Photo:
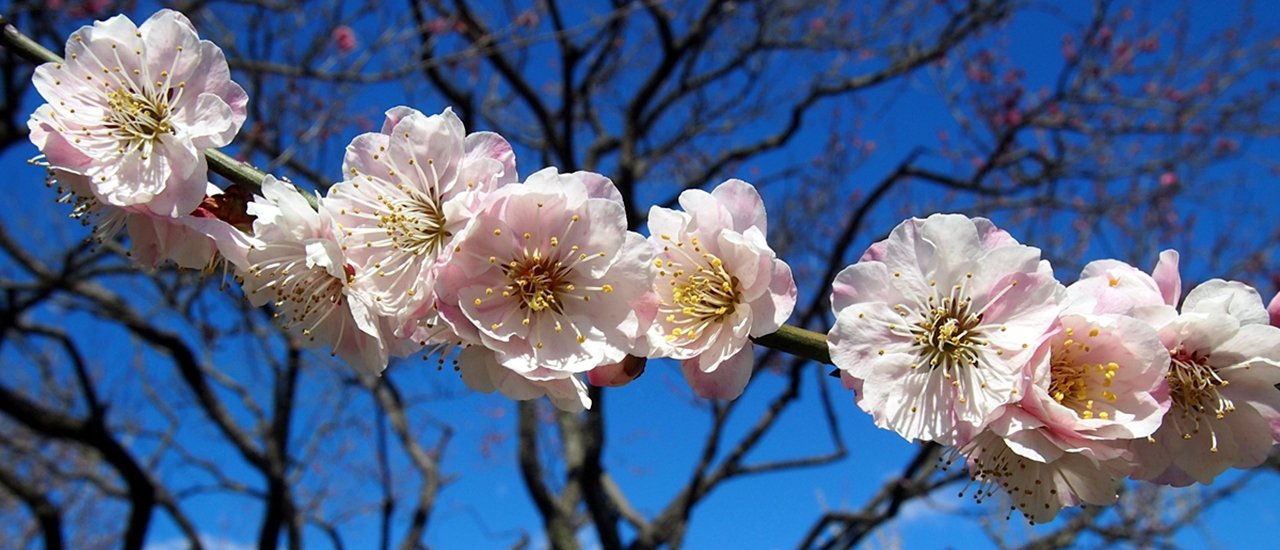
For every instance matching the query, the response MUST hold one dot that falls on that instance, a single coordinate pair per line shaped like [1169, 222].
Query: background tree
[136, 399]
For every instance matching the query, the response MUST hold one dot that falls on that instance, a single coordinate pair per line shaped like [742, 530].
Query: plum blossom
[483, 373]
[1115, 287]
[1224, 362]
[1224, 367]
[133, 109]
[1100, 384]
[200, 240]
[718, 283]
[298, 267]
[1039, 484]
[1095, 385]
[936, 333]
[410, 189]
[548, 277]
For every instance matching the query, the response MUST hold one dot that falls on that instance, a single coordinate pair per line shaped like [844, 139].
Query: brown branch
[556, 521]
[91, 432]
[47, 514]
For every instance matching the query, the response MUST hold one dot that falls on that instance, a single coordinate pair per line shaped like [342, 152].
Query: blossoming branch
[949, 330]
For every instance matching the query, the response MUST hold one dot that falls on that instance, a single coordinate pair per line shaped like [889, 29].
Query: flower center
[1196, 390]
[702, 291]
[137, 119]
[949, 334]
[1074, 383]
[540, 277]
[540, 282]
[415, 222]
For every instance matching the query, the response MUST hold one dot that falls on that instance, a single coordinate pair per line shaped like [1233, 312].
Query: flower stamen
[1195, 387]
[702, 291]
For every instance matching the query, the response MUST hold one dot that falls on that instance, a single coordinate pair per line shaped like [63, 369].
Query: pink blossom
[1039, 485]
[1101, 383]
[344, 37]
[1069, 48]
[1114, 287]
[1168, 178]
[134, 108]
[483, 373]
[1094, 386]
[1224, 364]
[718, 283]
[547, 276]
[1224, 367]
[939, 330]
[195, 241]
[299, 268]
[410, 189]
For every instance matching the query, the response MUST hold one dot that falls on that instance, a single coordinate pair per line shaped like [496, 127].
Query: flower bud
[617, 374]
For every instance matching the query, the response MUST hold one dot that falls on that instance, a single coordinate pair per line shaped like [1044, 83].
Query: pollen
[1196, 388]
[1081, 385]
[702, 291]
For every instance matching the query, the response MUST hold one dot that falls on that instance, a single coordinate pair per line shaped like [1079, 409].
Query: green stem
[238, 172]
[798, 341]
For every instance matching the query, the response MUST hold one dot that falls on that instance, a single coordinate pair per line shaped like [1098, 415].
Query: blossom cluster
[948, 331]
[429, 241]
[951, 331]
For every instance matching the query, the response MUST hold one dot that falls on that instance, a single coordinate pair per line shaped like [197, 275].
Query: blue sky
[655, 426]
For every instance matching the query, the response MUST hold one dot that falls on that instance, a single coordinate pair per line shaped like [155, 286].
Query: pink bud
[1104, 36]
[1068, 48]
[527, 18]
[1224, 145]
[96, 7]
[438, 25]
[617, 374]
[1168, 178]
[344, 38]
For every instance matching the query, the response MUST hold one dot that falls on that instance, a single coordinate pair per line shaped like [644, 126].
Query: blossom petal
[727, 381]
[744, 205]
[1167, 278]
[1227, 297]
